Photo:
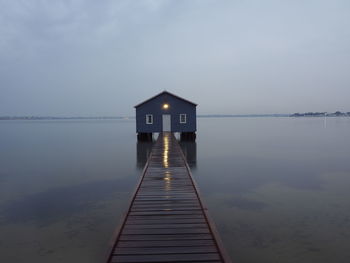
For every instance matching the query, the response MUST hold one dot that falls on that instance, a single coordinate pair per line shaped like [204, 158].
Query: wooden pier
[166, 220]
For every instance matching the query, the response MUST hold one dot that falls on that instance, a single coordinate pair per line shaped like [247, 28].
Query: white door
[166, 123]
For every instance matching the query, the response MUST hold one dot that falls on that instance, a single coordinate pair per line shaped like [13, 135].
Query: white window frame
[183, 114]
[149, 115]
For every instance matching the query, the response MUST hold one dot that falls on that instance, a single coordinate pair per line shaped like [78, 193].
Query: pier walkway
[166, 220]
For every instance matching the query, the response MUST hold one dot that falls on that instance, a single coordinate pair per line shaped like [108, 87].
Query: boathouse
[166, 112]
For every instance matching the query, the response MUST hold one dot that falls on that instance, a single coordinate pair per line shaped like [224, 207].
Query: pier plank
[167, 243]
[165, 250]
[167, 237]
[166, 258]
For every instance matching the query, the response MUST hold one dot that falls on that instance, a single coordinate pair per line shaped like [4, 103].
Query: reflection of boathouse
[189, 148]
[166, 112]
[144, 149]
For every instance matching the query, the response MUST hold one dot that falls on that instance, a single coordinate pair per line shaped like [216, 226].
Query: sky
[100, 58]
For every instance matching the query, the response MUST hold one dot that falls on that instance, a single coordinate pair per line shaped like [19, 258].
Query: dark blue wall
[176, 107]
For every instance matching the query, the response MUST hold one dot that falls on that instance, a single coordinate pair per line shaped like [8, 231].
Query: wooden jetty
[166, 220]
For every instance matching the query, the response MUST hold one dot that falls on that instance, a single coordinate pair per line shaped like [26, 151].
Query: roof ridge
[163, 92]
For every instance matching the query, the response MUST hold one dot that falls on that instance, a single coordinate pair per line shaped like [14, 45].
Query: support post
[145, 136]
[188, 136]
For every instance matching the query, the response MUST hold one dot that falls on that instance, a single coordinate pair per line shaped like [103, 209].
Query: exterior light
[165, 106]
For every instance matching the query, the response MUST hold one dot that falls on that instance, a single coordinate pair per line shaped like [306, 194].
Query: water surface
[277, 188]
[63, 188]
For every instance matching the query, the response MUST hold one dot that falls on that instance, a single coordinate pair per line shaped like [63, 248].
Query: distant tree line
[58, 118]
[321, 114]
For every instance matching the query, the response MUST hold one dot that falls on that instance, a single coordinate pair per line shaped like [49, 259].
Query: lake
[277, 188]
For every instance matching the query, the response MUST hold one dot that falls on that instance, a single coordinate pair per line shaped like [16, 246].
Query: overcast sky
[91, 58]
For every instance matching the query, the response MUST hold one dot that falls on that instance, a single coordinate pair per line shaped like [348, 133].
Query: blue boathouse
[166, 112]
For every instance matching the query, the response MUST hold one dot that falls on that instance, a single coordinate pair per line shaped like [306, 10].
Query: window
[149, 119]
[183, 118]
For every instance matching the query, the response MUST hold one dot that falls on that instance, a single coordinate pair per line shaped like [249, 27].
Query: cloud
[103, 57]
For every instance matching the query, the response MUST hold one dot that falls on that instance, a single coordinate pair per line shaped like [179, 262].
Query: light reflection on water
[277, 188]
[166, 151]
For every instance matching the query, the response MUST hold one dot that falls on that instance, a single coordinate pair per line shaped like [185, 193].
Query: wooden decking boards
[166, 220]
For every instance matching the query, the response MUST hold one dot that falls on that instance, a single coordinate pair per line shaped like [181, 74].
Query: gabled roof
[162, 93]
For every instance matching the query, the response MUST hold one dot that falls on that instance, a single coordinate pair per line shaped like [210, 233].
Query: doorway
[166, 123]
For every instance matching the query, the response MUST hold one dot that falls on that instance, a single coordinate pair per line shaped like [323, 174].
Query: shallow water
[277, 188]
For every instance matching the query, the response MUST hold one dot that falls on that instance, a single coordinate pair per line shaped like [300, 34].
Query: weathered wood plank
[167, 243]
[161, 222]
[152, 213]
[166, 258]
[170, 208]
[152, 226]
[164, 231]
[165, 203]
[167, 206]
[165, 198]
[164, 250]
[166, 237]
[166, 221]
[166, 193]
[164, 217]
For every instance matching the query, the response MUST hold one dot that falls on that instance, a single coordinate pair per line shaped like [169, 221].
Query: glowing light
[166, 152]
[165, 106]
[167, 175]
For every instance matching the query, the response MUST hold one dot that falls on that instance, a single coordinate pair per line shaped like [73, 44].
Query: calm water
[277, 188]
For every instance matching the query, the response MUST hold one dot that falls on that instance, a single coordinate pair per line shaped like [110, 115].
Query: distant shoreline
[2, 118]
[336, 114]
[321, 114]
[125, 118]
